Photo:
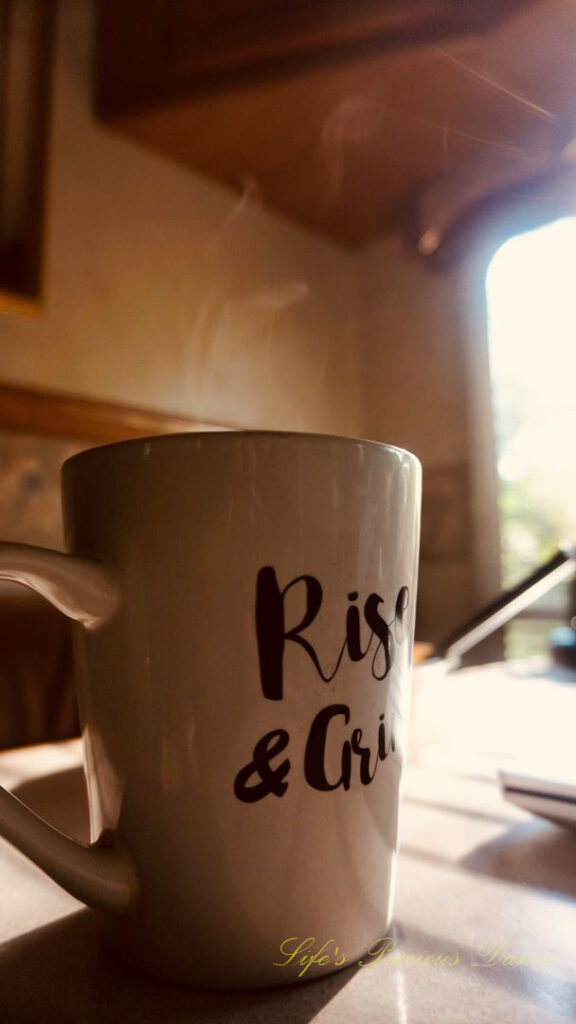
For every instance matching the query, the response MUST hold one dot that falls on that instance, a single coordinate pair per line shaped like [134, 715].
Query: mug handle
[101, 874]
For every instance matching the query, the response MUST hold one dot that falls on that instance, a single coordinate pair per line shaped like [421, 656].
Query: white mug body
[243, 710]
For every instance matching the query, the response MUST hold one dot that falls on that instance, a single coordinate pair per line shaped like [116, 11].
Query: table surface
[478, 880]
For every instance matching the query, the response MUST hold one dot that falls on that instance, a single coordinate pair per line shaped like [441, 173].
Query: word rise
[272, 633]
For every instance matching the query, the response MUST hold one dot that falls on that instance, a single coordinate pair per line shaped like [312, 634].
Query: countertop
[479, 880]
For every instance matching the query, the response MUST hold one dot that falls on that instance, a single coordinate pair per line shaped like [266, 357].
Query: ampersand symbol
[271, 779]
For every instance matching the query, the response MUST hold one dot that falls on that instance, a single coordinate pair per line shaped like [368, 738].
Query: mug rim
[228, 433]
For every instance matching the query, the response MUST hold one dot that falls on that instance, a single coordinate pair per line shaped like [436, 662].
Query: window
[531, 295]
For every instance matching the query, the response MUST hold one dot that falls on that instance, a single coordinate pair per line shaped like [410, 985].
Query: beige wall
[416, 387]
[413, 366]
[165, 291]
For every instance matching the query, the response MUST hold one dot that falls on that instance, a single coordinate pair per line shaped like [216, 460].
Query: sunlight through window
[531, 294]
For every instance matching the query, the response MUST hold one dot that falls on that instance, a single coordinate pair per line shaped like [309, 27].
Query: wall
[165, 291]
[417, 395]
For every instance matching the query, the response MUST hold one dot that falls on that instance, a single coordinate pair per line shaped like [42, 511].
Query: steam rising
[238, 298]
[352, 122]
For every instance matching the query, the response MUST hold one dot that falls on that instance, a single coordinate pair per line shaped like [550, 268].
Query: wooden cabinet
[149, 51]
[334, 109]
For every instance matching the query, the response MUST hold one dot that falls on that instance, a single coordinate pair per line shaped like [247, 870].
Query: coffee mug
[244, 609]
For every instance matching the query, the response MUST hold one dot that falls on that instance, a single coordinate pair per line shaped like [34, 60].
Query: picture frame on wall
[26, 61]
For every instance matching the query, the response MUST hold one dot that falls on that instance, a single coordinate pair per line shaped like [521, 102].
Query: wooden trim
[11, 302]
[470, 281]
[32, 411]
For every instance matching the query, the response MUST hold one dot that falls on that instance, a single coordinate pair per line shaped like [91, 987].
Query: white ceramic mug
[244, 606]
